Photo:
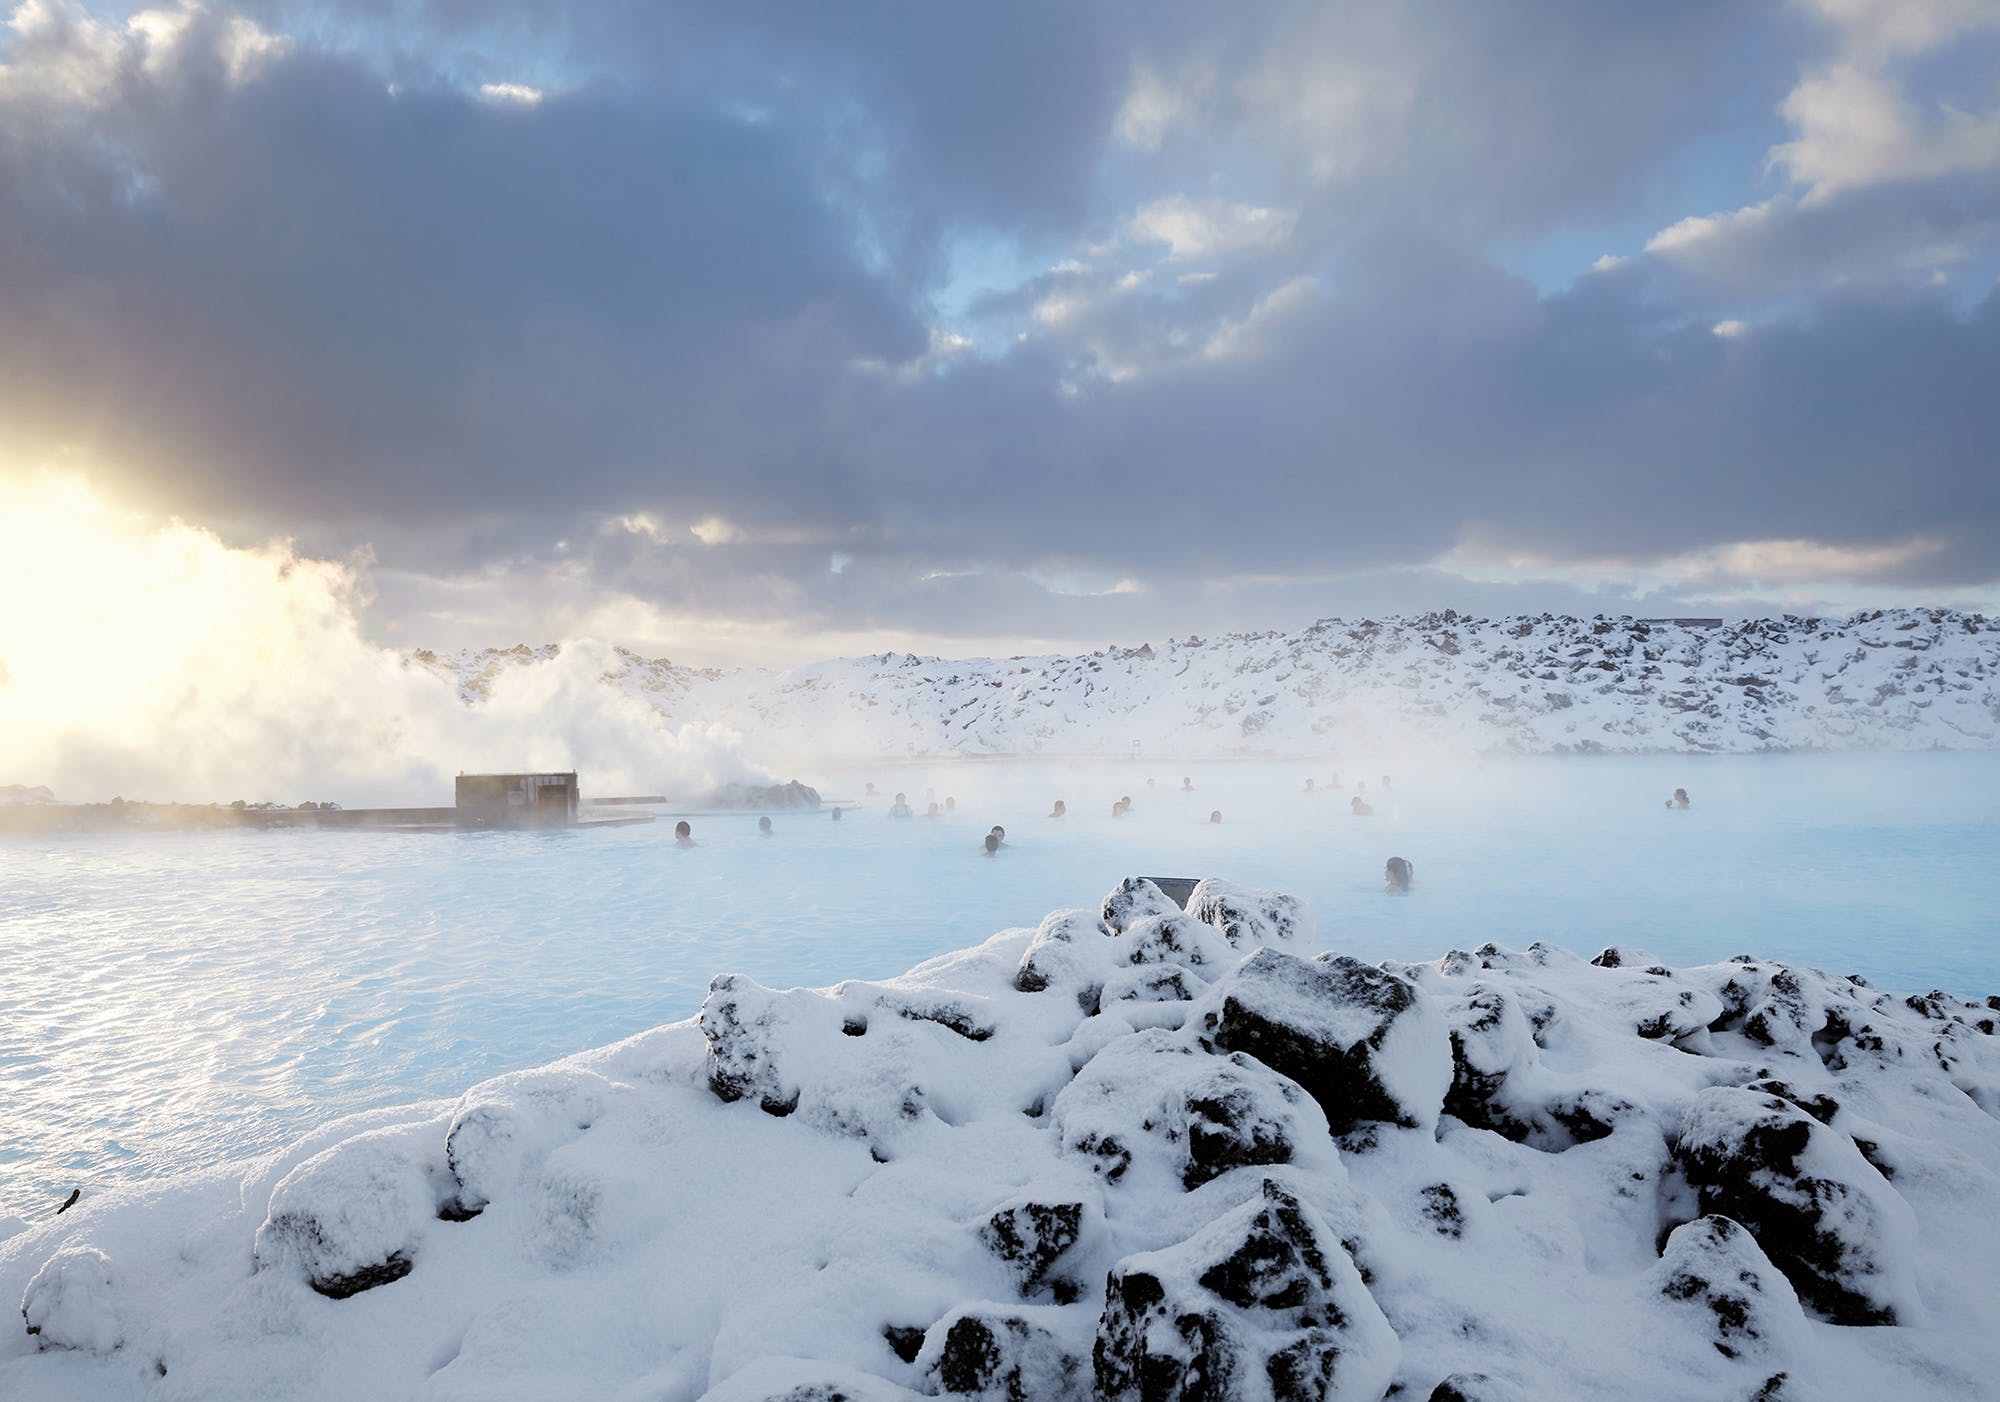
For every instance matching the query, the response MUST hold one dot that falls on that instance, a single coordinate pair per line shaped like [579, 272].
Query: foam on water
[178, 1000]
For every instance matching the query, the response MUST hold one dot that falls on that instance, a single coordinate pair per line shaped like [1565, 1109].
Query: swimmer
[1118, 809]
[1060, 809]
[1361, 786]
[950, 804]
[930, 795]
[764, 826]
[1397, 873]
[1309, 785]
[1149, 783]
[1385, 783]
[1679, 800]
[683, 834]
[1127, 801]
[836, 814]
[998, 834]
[901, 807]
[1216, 816]
[1187, 786]
[871, 789]
[992, 844]
[933, 811]
[1360, 807]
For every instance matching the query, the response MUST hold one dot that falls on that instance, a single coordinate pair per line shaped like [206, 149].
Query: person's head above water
[1397, 872]
[683, 833]
[1309, 785]
[992, 843]
[950, 804]
[1187, 786]
[1360, 806]
[871, 786]
[997, 831]
[1216, 816]
[764, 826]
[902, 798]
[932, 811]
[836, 815]
[1060, 809]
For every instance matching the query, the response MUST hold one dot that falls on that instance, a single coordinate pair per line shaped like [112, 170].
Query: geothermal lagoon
[181, 1001]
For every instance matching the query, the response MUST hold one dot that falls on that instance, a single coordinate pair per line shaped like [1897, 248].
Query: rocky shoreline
[1138, 1152]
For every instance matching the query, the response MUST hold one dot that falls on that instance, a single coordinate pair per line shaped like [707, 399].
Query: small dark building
[517, 800]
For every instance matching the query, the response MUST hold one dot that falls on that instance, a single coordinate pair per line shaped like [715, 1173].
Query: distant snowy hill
[1902, 679]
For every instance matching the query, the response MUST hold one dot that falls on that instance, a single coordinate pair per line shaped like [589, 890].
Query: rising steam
[159, 662]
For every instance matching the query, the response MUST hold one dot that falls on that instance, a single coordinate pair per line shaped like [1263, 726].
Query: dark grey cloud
[331, 290]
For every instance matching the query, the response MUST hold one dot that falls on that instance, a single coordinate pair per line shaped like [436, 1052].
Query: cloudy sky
[758, 332]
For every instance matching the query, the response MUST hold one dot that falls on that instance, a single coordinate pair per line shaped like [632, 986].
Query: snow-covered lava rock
[1536, 684]
[1137, 1152]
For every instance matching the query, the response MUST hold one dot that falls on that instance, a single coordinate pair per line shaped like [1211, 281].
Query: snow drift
[1136, 1152]
[1529, 685]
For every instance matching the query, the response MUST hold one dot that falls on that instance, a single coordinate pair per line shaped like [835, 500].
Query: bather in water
[1679, 800]
[683, 834]
[1397, 872]
[1060, 809]
[1187, 786]
[901, 807]
[1216, 816]
[992, 844]
[1360, 807]
[764, 827]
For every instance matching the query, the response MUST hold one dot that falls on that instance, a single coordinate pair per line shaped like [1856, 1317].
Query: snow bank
[1135, 1152]
[1901, 679]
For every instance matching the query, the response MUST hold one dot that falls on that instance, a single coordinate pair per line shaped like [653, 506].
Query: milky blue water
[178, 1000]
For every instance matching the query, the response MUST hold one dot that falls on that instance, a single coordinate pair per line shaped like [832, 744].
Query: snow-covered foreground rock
[1134, 1153]
[1903, 679]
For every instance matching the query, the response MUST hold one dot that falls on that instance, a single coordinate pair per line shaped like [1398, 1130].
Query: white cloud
[511, 92]
[246, 49]
[1210, 228]
[1857, 128]
[713, 530]
[63, 55]
[1880, 29]
[641, 523]
[1730, 330]
[1151, 109]
[1800, 561]
[1248, 336]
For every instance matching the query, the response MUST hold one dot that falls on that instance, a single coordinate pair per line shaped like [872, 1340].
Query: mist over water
[175, 1000]
[160, 663]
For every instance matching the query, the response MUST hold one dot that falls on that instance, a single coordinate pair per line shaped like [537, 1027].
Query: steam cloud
[159, 662]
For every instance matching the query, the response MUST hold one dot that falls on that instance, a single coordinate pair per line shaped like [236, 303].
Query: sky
[762, 332]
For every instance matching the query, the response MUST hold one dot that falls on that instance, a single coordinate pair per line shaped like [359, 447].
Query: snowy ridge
[1135, 1153]
[1910, 679]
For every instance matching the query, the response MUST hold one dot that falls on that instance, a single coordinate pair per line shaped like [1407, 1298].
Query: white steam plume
[159, 662]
